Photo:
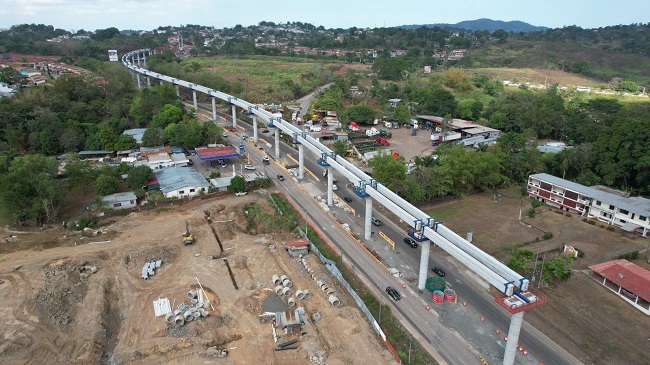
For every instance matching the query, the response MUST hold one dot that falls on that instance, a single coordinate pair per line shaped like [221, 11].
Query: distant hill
[515, 26]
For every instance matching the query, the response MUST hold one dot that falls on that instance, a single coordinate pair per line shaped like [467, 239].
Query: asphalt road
[424, 325]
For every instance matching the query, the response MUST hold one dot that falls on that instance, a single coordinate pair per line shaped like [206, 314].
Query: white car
[241, 193]
[334, 187]
[249, 167]
[224, 135]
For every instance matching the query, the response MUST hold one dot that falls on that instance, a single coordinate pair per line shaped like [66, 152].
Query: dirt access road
[56, 311]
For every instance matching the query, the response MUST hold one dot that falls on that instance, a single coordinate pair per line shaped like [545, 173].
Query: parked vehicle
[190, 162]
[224, 135]
[334, 187]
[411, 242]
[438, 271]
[249, 167]
[393, 293]
[266, 160]
[375, 221]
[244, 137]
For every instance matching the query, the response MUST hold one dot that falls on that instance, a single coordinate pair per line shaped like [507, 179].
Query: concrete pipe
[169, 317]
[206, 305]
[316, 317]
[179, 320]
[194, 301]
[330, 291]
[334, 301]
[291, 302]
[307, 294]
[177, 312]
[301, 310]
[158, 264]
[204, 313]
[275, 280]
[287, 283]
[300, 294]
[93, 269]
[283, 278]
[324, 288]
[188, 316]
[286, 291]
[196, 314]
[191, 294]
[278, 289]
[319, 283]
[151, 272]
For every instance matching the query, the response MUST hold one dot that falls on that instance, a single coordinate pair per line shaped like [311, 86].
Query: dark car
[347, 199]
[280, 177]
[265, 131]
[393, 293]
[411, 242]
[438, 271]
[375, 221]
[190, 162]
[266, 160]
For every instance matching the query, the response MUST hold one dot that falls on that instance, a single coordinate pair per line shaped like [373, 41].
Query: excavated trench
[111, 322]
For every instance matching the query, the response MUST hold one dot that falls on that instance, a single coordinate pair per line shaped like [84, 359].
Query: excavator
[188, 239]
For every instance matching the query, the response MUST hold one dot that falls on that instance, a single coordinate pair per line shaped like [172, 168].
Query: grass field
[277, 78]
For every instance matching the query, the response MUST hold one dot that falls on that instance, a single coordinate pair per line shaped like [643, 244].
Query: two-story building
[605, 204]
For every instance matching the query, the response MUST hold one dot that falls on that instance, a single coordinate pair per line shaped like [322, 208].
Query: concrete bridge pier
[368, 223]
[255, 128]
[277, 143]
[234, 116]
[301, 161]
[330, 183]
[214, 108]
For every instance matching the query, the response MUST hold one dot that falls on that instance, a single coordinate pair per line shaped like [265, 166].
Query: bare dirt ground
[581, 315]
[56, 311]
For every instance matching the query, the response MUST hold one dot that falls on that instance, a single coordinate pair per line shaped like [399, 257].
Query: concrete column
[234, 116]
[330, 182]
[424, 264]
[277, 143]
[301, 161]
[149, 81]
[144, 59]
[368, 224]
[214, 108]
[255, 128]
[138, 59]
[513, 338]
[132, 59]
[178, 91]
[196, 105]
[161, 82]
[139, 82]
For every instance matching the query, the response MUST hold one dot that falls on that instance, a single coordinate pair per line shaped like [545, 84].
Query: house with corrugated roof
[119, 201]
[181, 182]
[630, 281]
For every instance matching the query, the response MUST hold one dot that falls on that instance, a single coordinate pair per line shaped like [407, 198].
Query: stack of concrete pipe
[188, 312]
[149, 268]
[329, 292]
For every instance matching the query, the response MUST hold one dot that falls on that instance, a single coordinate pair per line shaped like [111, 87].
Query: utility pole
[541, 271]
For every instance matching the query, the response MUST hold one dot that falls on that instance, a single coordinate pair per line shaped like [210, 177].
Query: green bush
[592, 222]
[630, 255]
[611, 228]
[531, 212]
[87, 221]
[567, 214]
[584, 219]
[548, 235]
[536, 203]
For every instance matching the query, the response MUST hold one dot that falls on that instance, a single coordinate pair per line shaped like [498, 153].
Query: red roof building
[630, 281]
[297, 248]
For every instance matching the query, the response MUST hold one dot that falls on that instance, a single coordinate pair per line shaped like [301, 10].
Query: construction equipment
[188, 239]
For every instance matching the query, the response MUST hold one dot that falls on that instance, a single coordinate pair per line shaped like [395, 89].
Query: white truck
[437, 138]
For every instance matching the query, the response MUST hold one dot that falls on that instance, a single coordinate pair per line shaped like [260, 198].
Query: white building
[119, 201]
[181, 182]
[605, 204]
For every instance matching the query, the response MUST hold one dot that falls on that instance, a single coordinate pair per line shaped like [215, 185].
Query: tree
[168, 115]
[125, 142]
[30, 189]
[106, 184]
[138, 176]
[580, 67]
[628, 86]
[559, 267]
[402, 114]
[340, 147]
[359, 114]
[457, 79]
[81, 174]
[153, 137]
[389, 171]
[520, 261]
[237, 184]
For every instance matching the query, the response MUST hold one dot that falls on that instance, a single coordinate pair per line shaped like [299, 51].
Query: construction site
[197, 282]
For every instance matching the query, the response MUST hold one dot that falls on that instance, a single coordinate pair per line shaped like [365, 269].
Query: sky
[149, 14]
